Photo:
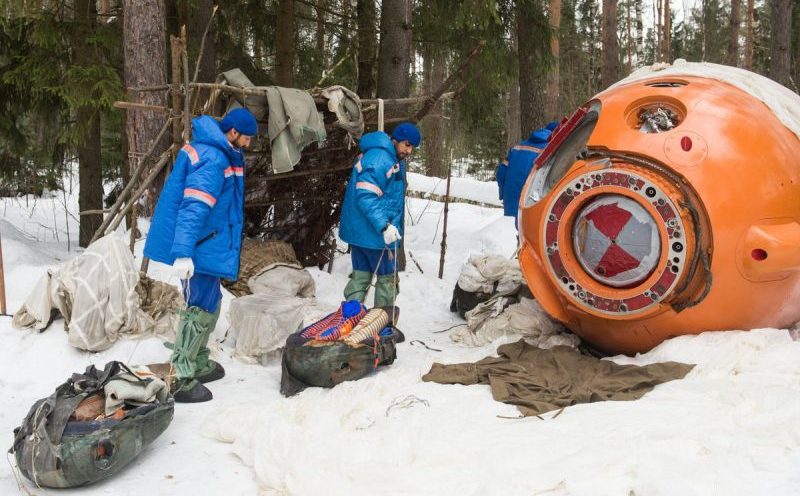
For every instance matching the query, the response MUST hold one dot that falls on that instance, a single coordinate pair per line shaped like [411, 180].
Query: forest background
[63, 64]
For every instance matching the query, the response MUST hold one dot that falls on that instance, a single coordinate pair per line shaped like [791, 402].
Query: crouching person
[372, 213]
[197, 228]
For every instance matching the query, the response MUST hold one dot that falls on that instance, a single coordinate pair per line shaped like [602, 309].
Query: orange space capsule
[668, 205]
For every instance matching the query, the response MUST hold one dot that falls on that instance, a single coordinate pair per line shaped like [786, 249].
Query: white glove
[183, 268]
[390, 234]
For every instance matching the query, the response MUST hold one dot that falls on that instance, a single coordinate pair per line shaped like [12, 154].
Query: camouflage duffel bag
[60, 445]
[307, 363]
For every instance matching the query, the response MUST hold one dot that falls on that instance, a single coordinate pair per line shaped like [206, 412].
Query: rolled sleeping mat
[370, 325]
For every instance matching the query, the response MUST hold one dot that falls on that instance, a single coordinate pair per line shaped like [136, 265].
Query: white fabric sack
[260, 323]
[481, 272]
[493, 319]
[283, 280]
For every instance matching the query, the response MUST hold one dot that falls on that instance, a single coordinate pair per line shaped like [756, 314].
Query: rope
[15, 473]
[380, 114]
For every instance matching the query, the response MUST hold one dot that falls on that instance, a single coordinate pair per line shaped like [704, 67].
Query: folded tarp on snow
[98, 293]
[538, 381]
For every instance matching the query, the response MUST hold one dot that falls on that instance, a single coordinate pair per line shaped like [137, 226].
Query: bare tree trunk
[90, 172]
[780, 41]
[748, 40]
[667, 30]
[705, 31]
[284, 44]
[609, 73]
[658, 30]
[733, 39]
[196, 26]
[434, 124]
[320, 32]
[639, 32]
[367, 40]
[146, 65]
[629, 40]
[514, 133]
[551, 110]
[534, 53]
[393, 57]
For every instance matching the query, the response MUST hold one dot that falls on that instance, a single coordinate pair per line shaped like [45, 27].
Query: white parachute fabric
[496, 319]
[490, 274]
[261, 322]
[783, 102]
[96, 294]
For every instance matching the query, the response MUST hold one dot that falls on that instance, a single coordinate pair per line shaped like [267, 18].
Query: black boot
[192, 391]
[215, 374]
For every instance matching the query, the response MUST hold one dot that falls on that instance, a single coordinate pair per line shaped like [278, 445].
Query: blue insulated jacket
[201, 208]
[512, 172]
[375, 193]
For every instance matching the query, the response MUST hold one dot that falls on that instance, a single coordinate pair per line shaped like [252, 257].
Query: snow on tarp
[783, 102]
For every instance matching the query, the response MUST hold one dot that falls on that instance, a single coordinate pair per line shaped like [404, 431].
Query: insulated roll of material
[372, 324]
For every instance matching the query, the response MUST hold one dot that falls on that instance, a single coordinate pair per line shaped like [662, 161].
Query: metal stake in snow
[2, 283]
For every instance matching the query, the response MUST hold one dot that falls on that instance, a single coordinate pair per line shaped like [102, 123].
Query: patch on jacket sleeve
[528, 148]
[191, 152]
[369, 187]
[200, 195]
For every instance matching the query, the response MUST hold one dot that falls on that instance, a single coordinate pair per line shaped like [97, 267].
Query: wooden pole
[2, 283]
[446, 209]
[128, 187]
[187, 113]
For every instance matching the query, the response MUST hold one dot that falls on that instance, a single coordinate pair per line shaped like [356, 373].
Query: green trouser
[358, 285]
[190, 353]
[386, 289]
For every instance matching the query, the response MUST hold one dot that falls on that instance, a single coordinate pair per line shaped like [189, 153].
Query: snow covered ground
[732, 426]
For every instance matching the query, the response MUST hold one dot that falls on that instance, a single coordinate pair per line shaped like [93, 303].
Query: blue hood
[206, 130]
[540, 135]
[378, 139]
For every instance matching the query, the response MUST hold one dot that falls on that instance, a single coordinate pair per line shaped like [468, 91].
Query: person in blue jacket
[512, 172]
[372, 213]
[197, 228]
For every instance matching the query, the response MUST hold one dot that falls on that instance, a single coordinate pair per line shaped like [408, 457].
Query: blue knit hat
[407, 132]
[241, 120]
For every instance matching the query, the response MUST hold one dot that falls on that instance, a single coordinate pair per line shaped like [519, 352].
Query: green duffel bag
[326, 364]
[54, 451]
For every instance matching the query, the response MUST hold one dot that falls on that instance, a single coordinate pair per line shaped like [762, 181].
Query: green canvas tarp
[538, 380]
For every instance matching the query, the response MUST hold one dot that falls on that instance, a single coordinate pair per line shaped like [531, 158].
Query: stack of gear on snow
[92, 426]
[484, 277]
[273, 292]
[492, 296]
[101, 295]
[346, 345]
[538, 380]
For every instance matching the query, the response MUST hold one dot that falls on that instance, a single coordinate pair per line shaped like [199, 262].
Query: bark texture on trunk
[367, 41]
[551, 110]
[434, 124]
[780, 41]
[284, 44]
[394, 58]
[748, 40]
[609, 72]
[145, 65]
[534, 53]
[90, 171]
[733, 40]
